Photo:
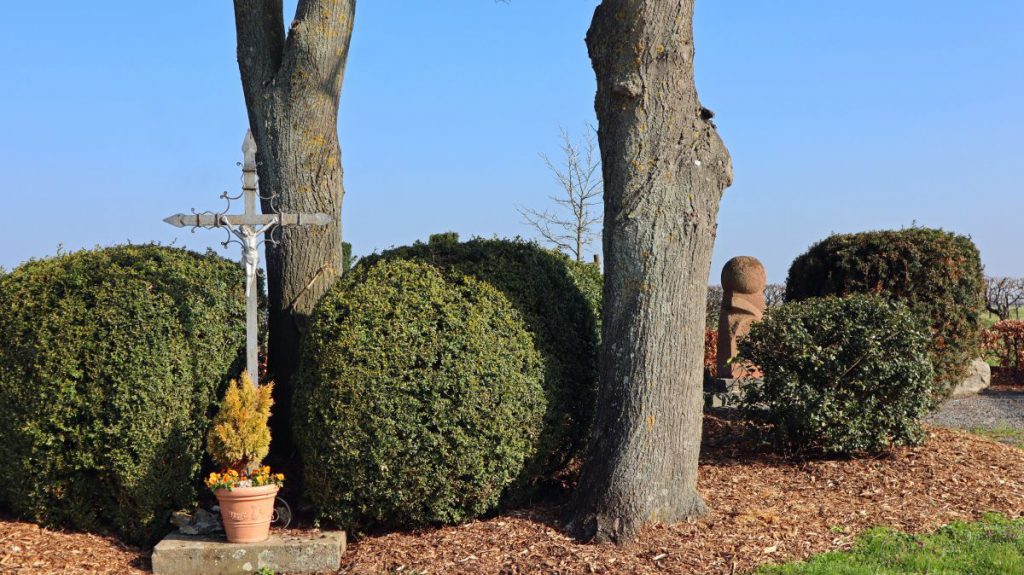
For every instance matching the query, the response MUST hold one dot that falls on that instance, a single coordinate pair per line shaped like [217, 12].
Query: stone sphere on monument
[743, 283]
[744, 274]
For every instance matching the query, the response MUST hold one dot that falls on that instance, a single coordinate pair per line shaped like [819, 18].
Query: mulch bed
[765, 508]
[28, 548]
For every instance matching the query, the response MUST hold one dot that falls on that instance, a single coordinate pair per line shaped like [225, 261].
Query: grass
[988, 319]
[1002, 434]
[992, 546]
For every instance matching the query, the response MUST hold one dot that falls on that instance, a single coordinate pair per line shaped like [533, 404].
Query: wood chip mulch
[766, 508]
[28, 548]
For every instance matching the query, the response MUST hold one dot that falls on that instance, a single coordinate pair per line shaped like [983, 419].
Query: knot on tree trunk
[629, 86]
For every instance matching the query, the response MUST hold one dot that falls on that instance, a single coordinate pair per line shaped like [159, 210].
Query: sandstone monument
[743, 283]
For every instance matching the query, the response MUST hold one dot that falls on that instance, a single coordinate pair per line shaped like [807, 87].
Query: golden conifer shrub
[240, 436]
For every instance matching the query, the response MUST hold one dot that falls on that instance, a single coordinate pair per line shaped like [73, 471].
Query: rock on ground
[979, 378]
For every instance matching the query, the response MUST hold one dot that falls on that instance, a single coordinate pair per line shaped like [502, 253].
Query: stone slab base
[179, 554]
[723, 392]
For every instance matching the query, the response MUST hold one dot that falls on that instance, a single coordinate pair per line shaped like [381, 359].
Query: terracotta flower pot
[246, 512]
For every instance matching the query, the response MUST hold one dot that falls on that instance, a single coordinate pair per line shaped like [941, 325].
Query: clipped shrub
[841, 375]
[560, 301]
[419, 397]
[110, 364]
[937, 274]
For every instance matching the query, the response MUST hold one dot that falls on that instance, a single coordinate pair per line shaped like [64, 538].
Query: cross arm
[222, 220]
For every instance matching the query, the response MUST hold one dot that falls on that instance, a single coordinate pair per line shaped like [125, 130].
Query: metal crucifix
[251, 229]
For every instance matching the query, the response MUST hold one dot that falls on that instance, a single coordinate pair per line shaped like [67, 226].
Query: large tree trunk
[665, 170]
[292, 85]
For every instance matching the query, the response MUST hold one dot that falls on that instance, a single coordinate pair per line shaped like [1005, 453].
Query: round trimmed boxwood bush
[938, 274]
[841, 375]
[110, 362]
[560, 301]
[419, 397]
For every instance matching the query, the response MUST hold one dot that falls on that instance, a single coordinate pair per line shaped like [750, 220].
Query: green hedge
[841, 375]
[560, 300]
[418, 399]
[937, 273]
[109, 365]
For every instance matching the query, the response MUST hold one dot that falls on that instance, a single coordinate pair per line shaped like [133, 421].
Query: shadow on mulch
[1009, 377]
[1002, 391]
[726, 440]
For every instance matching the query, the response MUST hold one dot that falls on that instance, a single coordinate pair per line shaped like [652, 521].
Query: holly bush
[841, 375]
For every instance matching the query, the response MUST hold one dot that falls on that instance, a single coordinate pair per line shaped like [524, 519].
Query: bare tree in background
[570, 227]
[774, 295]
[714, 307]
[1003, 295]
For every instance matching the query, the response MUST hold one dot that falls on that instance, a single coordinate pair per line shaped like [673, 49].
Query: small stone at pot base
[317, 552]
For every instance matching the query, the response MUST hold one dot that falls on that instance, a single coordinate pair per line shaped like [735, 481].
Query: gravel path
[999, 411]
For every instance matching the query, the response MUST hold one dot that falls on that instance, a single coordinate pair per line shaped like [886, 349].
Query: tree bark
[292, 85]
[665, 170]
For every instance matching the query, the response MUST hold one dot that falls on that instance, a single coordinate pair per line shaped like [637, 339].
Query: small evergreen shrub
[110, 362]
[841, 375]
[936, 273]
[419, 397]
[240, 437]
[560, 301]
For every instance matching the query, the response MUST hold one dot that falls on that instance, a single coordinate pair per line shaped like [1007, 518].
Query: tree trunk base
[623, 526]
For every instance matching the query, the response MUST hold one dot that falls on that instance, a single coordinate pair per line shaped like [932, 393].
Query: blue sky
[840, 116]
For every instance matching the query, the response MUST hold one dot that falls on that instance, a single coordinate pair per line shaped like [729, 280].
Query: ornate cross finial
[249, 151]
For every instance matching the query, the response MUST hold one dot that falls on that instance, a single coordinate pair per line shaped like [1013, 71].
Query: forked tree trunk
[665, 170]
[292, 85]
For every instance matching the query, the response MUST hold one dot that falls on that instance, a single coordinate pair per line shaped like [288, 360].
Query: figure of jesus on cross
[251, 228]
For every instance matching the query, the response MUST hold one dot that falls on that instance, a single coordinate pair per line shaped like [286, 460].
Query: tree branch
[316, 48]
[543, 223]
[259, 29]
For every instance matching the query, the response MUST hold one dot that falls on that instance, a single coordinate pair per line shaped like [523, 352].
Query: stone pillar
[743, 283]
